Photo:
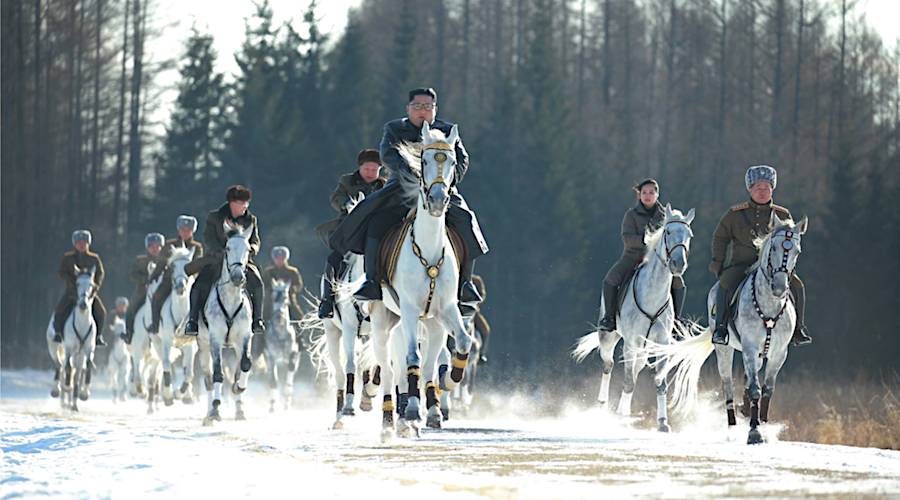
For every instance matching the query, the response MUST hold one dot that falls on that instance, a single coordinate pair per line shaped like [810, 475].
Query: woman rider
[648, 213]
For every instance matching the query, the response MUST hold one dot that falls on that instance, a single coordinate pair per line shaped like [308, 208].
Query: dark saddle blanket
[625, 283]
[389, 250]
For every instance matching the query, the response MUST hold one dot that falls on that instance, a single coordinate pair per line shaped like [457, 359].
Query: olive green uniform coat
[66, 273]
[635, 224]
[284, 273]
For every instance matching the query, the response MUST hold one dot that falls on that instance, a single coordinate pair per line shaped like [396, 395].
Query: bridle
[440, 157]
[687, 250]
[787, 245]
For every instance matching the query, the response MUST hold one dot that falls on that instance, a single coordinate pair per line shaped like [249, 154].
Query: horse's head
[118, 327]
[280, 290]
[180, 280]
[672, 241]
[438, 163]
[779, 251]
[84, 287]
[237, 252]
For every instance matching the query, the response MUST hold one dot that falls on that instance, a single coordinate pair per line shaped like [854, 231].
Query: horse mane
[764, 244]
[654, 237]
[177, 254]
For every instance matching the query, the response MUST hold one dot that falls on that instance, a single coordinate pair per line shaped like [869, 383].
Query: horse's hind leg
[634, 362]
[607, 348]
[661, 414]
[752, 370]
[240, 384]
[725, 363]
[85, 391]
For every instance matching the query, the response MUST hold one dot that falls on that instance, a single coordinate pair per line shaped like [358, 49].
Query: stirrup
[608, 323]
[469, 295]
[192, 328]
[258, 326]
[57, 337]
[99, 342]
[801, 336]
[326, 309]
[720, 335]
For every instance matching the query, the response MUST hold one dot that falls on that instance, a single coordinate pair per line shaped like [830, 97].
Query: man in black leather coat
[366, 225]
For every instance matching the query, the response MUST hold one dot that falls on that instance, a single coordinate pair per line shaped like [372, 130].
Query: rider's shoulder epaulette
[69, 254]
[92, 254]
[780, 209]
[172, 241]
[292, 269]
[269, 268]
[740, 206]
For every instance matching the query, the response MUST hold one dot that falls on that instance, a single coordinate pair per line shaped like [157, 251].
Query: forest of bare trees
[563, 104]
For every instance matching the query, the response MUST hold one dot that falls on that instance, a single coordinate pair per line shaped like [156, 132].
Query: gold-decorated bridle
[440, 157]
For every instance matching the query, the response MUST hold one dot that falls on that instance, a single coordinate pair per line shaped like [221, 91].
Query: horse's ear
[77, 269]
[454, 134]
[228, 229]
[426, 133]
[804, 222]
[668, 211]
[690, 216]
[191, 253]
[92, 273]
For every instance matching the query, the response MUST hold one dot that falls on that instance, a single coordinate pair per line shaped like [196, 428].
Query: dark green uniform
[283, 273]
[165, 286]
[66, 272]
[141, 276]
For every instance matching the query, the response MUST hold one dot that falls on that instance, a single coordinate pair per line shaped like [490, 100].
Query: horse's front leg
[660, 336]
[751, 368]
[167, 393]
[348, 337]
[773, 366]
[409, 321]
[436, 343]
[382, 324]
[215, 352]
[240, 384]
[725, 363]
[634, 359]
[608, 341]
[85, 391]
[186, 392]
[451, 320]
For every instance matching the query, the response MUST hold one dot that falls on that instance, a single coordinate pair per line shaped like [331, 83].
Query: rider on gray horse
[363, 229]
[366, 180]
[235, 211]
[740, 226]
[85, 260]
[648, 213]
[186, 226]
[282, 271]
[140, 274]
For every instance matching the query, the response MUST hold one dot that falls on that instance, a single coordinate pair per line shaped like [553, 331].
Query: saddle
[628, 279]
[389, 249]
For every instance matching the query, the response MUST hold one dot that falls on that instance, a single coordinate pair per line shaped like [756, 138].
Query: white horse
[147, 356]
[424, 286]
[227, 324]
[647, 313]
[119, 364]
[281, 346]
[172, 318]
[343, 337]
[762, 329]
[76, 352]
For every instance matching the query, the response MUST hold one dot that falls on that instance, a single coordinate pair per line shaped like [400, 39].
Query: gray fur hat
[186, 221]
[154, 238]
[760, 173]
[281, 252]
[121, 301]
[81, 235]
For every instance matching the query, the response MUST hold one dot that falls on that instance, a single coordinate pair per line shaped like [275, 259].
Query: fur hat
[186, 221]
[121, 301]
[81, 235]
[154, 238]
[281, 252]
[237, 193]
[760, 173]
[368, 155]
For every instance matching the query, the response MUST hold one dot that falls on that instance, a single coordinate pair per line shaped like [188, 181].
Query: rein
[786, 246]
[78, 335]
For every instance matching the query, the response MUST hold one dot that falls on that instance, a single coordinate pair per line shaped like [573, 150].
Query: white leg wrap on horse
[603, 396]
[242, 381]
[217, 391]
[625, 404]
[661, 406]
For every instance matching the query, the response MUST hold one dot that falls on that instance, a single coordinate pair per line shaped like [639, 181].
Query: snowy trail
[118, 451]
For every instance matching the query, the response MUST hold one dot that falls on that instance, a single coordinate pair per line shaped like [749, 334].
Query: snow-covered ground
[118, 451]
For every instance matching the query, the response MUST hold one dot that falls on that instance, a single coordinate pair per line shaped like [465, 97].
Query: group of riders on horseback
[741, 226]
[361, 231]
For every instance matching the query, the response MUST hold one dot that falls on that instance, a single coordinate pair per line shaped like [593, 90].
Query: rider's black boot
[678, 303]
[98, 339]
[255, 291]
[59, 322]
[155, 312]
[720, 335]
[199, 294]
[610, 294]
[326, 304]
[371, 289]
[801, 334]
[468, 294]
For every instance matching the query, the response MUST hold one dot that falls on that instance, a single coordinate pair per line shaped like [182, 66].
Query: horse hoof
[54, 392]
[239, 416]
[84, 395]
[187, 399]
[755, 437]
[445, 414]
[348, 412]
[412, 414]
[272, 408]
[338, 425]
[387, 434]
[208, 422]
[236, 389]
[365, 404]
[169, 401]
[663, 426]
[433, 422]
